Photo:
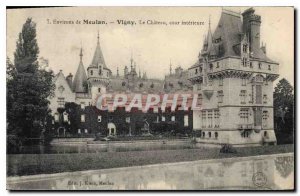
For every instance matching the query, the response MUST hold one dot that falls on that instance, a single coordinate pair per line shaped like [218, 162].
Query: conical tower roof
[80, 77]
[98, 58]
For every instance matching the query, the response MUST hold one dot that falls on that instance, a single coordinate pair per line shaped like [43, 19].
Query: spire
[209, 23]
[80, 77]
[117, 71]
[98, 58]
[209, 36]
[170, 67]
[81, 54]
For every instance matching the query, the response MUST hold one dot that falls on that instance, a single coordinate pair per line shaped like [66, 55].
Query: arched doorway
[112, 129]
[61, 131]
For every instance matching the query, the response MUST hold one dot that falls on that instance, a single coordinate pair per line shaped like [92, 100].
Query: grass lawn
[30, 164]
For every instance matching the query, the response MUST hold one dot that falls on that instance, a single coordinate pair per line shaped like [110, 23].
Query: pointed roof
[228, 30]
[80, 77]
[98, 56]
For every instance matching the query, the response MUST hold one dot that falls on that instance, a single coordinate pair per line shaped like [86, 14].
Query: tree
[284, 110]
[28, 87]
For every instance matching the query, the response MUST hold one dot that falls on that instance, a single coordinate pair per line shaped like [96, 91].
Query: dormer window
[91, 72]
[218, 40]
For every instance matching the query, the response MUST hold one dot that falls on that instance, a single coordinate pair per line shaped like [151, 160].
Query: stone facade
[234, 81]
[84, 89]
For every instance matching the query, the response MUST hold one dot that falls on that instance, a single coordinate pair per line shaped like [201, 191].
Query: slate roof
[80, 77]
[98, 58]
[226, 39]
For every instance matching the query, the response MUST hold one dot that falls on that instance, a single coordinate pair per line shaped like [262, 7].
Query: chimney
[251, 27]
[70, 79]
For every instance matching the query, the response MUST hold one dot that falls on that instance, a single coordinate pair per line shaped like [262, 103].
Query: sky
[153, 47]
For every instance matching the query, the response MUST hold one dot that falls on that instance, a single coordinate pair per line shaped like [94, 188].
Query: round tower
[98, 74]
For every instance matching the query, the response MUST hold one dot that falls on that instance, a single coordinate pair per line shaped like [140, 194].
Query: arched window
[209, 134]
[203, 134]
[216, 134]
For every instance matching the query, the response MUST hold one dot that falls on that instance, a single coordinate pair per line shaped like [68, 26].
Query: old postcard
[150, 98]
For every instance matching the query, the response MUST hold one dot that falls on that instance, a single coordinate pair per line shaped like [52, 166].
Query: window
[203, 134]
[99, 118]
[85, 131]
[99, 90]
[91, 72]
[82, 105]
[163, 118]
[173, 118]
[216, 134]
[196, 71]
[79, 131]
[100, 70]
[244, 115]
[61, 102]
[203, 119]
[258, 94]
[65, 115]
[186, 120]
[259, 65]
[221, 82]
[269, 67]
[244, 61]
[244, 47]
[243, 97]
[157, 119]
[82, 118]
[265, 116]
[56, 117]
[220, 96]
[218, 65]
[211, 66]
[251, 66]
[265, 133]
[199, 86]
[107, 74]
[155, 109]
[127, 119]
[209, 81]
[217, 118]
[210, 119]
[244, 81]
[209, 134]
[200, 99]
[265, 99]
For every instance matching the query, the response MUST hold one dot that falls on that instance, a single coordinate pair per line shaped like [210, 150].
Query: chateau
[234, 79]
[82, 90]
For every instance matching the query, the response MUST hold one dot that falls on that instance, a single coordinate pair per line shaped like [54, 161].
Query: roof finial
[170, 67]
[131, 60]
[81, 53]
[98, 36]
